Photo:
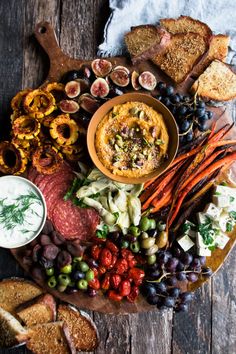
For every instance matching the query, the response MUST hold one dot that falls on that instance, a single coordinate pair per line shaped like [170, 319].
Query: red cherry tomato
[105, 257]
[132, 263]
[134, 293]
[112, 247]
[136, 275]
[115, 281]
[125, 288]
[113, 295]
[95, 251]
[94, 284]
[127, 254]
[105, 285]
[121, 266]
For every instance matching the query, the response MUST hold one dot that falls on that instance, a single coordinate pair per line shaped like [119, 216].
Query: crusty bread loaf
[144, 41]
[14, 292]
[218, 49]
[9, 328]
[48, 338]
[83, 332]
[217, 82]
[186, 24]
[180, 56]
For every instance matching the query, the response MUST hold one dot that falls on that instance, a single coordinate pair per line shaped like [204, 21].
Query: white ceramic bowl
[12, 187]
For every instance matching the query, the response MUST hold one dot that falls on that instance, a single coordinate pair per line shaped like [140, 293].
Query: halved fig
[99, 88]
[84, 84]
[134, 80]
[101, 67]
[72, 89]
[121, 67]
[120, 78]
[147, 80]
[88, 103]
[68, 106]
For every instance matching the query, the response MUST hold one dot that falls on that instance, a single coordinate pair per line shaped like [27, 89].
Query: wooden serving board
[61, 63]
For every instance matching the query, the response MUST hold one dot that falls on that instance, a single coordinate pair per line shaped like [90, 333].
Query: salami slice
[54, 196]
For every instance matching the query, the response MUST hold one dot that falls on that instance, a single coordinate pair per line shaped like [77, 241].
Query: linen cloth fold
[220, 15]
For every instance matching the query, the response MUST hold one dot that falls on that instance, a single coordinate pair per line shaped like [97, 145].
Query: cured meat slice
[32, 174]
[56, 194]
[74, 222]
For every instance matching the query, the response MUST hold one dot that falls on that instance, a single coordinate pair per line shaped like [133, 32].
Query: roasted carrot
[207, 172]
[163, 202]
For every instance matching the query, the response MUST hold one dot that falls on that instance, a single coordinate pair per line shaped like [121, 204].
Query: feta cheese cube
[204, 252]
[221, 201]
[225, 190]
[189, 229]
[185, 242]
[221, 240]
[199, 241]
[221, 223]
[212, 211]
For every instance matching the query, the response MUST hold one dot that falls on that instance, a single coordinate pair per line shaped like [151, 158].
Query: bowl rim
[11, 246]
[105, 108]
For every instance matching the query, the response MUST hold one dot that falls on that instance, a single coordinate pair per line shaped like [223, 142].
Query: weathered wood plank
[192, 330]
[224, 308]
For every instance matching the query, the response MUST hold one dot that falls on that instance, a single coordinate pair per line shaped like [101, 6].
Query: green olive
[50, 271]
[61, 288]
[135, 247]
[77, 259]
[83, 266]
[151, 259]
[152, 250]
[67, 269]
[144, 224]
[148, 242]
[82, 284]
[52, 282]
[153, 223]
[144, 235]
[162, 239]
[124, 244]
[134, 230]
[161, 226]
[64, 279]
[89, 275]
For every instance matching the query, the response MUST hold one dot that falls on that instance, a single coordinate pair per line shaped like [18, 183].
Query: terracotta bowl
[156, 105]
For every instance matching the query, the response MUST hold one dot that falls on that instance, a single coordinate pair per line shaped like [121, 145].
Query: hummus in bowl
[132, 139]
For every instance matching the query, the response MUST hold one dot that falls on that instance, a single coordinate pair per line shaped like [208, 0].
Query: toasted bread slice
[186, 24]
[14, 292]
[217, 82]
[48, 338]
[43, 310]
[218, 49]
[144, 41]
[9, 328]
[82, 330]
[180, 56]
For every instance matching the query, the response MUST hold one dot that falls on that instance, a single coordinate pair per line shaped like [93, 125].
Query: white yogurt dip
[22, 211]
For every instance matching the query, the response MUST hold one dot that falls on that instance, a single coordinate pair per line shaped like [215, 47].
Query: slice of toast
[48, 338]
[218, 49]
[144, 41]
[82, 330]
[9, 328]
[186, 24]
[217, 82]
[180, 56]
[14, 292]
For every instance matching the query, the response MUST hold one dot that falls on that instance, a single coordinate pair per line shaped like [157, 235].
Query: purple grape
[181, 276]
[172, 281]
[169, 301]
[155, 274]
[172, 264]
[180, 266]
[186, 258]
[186, 297]
[160, 287]
[174, 292]
[92, 263]
[177, 252]
[153, 299]
[195, 263]
[182, 308]
[207, 272]
[153, 267]
[148, 289]
[202, 260]
[192, 277]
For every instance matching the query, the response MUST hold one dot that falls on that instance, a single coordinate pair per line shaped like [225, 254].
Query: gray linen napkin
[220, 15]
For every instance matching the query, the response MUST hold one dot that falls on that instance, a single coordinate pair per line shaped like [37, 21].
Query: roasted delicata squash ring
[54, 86]
[21, 143]
[64, 130]
[17, 103]
[72, 149]
[46, 159]
[48, 120]
[12, 159]
[25, 127]
[39, 103]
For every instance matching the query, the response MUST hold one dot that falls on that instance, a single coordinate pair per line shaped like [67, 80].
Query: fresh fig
[68, 106]
[72, 89]
[147, 80]
[134, 80]
[120, 78]
[121, 67]
[87, 72]
[89, 103]
[101, 67]
[99, 88]
[84, 84]
[115, 91]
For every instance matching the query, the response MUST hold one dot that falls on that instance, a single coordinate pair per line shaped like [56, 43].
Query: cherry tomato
[133, 294]
[136, 275]
[112, 247]
[94, 284]
[121, 266]
[115, 281]
[95, 251]
[132, 263]
[113, 295]
[95, 271]
[125, 288]
[113, 262]
[101, 270]
[105, 285]
[105, 257]
[127, 254]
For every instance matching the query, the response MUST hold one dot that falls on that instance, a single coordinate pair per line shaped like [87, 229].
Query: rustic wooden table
[210, 324]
